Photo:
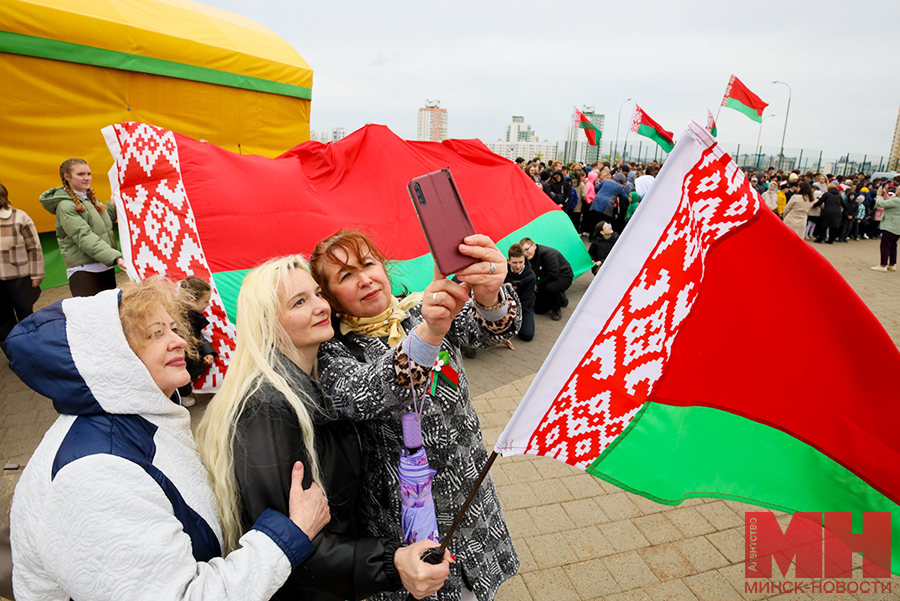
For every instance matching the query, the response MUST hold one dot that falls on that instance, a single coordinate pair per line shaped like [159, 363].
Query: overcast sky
[486, 61]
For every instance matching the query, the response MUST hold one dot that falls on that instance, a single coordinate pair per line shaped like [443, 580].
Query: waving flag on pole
[590, 130]
[711, 124]
[642, 124]
[671, 381]
[740, 98]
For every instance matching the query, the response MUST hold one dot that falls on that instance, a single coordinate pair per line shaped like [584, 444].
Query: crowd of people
[601, 198]
[593, 194]
[826, 209]
[292, 490]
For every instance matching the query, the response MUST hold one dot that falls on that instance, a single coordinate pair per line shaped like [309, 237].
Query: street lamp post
[758, 136]
[618, 122]
[786, 114]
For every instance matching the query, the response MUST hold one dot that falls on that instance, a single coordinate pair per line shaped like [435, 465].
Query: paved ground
[579, 538]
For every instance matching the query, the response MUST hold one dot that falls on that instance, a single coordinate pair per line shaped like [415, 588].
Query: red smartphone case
[443, 217]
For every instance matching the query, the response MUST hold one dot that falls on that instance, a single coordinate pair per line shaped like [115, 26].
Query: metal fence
[762, 157]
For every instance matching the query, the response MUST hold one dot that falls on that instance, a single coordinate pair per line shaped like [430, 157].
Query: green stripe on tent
[740, 106]
[554, 229]
[54, 268]
[670, 454]
[650, 132]
[26, 45]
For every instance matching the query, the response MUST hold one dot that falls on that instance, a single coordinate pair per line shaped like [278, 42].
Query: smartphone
[443, 217]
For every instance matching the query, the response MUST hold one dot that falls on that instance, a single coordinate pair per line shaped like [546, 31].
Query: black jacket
[197, 366]
[560, 189]
[524, 283]
[549, 265]
[601, 247]
[850, 205]
[831, 203]
[269, 441]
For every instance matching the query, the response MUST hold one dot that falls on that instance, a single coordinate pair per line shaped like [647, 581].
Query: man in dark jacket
[560, 189]
[522, 278]
[545, 182]
[554, 276]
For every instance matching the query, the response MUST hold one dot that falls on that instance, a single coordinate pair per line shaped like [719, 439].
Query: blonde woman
[272, 412]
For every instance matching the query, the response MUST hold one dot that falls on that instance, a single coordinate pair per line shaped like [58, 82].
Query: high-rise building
[576, 146]
[520, 141]
[894, 157]
[433, 123]
[322, 137]
[337, 133]
[518, 131]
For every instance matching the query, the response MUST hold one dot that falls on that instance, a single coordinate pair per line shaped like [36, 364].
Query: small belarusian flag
[740, 98]
[644, 125]
[711, 123]
[590, 130]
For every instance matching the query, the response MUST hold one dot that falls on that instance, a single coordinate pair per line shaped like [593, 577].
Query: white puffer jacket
[115, 503]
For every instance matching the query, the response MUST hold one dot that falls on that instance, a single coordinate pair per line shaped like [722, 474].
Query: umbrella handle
[434, 555]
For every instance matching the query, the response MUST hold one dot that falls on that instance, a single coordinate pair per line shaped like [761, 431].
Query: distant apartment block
[433, 123]
[322, 137]
[520, 141]
[546, 151]
[337, 133]
[518, 131]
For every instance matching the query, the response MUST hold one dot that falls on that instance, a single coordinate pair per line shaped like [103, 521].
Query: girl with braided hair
[84, 229]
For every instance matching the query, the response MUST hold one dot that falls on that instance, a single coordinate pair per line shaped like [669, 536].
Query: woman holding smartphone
[386, 346]
[271, 412]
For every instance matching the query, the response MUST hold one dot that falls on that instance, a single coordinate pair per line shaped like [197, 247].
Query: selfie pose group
[291, 490]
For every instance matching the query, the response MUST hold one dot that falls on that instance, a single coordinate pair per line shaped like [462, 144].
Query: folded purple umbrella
[417, 515]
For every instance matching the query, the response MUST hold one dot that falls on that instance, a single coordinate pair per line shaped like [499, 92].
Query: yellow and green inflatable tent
[71, 68]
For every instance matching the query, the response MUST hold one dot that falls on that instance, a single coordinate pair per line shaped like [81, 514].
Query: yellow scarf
[383, 324]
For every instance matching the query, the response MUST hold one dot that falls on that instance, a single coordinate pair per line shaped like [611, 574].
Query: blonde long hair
[260, 337]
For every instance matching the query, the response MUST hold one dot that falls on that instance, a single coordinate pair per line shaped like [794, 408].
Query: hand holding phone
[443, 217]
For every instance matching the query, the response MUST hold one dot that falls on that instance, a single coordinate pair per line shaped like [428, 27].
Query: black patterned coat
[376, 393]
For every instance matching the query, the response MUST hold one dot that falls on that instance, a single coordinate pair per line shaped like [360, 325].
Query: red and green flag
[642, 124]
[671, 378]
[191, 208]
[740, 98]
[711, 124]
[590, 130]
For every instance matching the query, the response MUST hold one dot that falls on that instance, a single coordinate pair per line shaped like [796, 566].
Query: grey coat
[376, 393]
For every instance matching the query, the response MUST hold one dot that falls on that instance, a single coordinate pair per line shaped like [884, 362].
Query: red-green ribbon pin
[443, 369]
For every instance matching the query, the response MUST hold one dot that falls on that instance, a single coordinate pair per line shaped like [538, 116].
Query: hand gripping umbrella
[417, 516]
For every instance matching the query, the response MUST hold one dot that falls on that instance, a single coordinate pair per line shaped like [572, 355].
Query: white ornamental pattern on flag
[162, 236]
[615, 377]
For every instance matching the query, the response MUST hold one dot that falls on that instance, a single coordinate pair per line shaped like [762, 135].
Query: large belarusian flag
[740, 98]
[590, 130]
[191, 208]
[642, 124]
[681, 373]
